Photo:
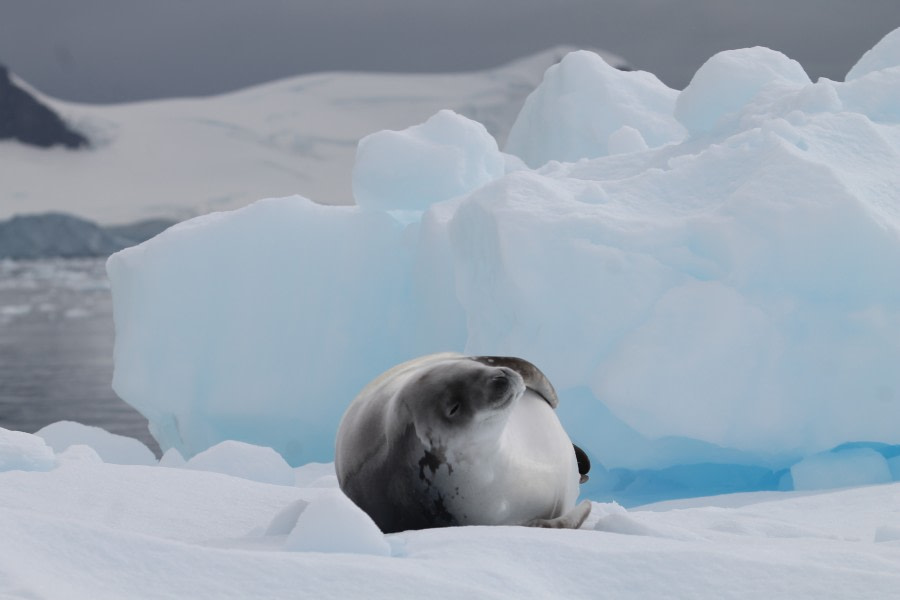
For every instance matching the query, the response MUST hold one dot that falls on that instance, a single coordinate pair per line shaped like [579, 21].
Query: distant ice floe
[707, 276]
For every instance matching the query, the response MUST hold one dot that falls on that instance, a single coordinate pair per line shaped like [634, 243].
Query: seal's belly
[529, 473]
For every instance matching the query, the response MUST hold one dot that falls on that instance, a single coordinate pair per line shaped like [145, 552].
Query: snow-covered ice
[110, 447]
[331, 522]
[445, 157]
[20, 451]
[581, 102]
[240, 459]
[89, 529]
[709, 282]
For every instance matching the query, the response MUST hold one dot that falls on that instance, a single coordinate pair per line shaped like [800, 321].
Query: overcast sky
[120, 50]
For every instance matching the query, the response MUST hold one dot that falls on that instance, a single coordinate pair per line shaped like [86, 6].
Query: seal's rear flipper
[571, 520]
[584, 463]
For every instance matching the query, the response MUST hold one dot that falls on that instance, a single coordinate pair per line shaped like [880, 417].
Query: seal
[447, 439]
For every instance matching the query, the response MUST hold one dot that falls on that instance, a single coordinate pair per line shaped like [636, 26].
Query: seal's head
[450, 397]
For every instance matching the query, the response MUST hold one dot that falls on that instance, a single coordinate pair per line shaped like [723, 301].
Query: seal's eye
[453, 410]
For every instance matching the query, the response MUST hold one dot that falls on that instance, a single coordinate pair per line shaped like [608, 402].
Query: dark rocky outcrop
[135, 233]
[58, 235]
[24, 118]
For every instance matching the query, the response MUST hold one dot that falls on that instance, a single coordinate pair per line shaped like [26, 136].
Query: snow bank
[88, 529]
[332, 523]
[240, 459]
[21, 451]
[112, 448]
[712, 309]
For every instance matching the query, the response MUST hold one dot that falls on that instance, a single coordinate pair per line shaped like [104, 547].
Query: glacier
[708, 277]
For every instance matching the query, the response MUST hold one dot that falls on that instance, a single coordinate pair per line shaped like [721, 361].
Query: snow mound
[846, 468]
[884, 55]
[446, 156]
[316, 475]
[285, 519]
[79, 453]
[90, 526]
[711, 310]
[21, 451]
[725, 83]
[581, 102]
[333, 523]
[247, 461]
[172, 458]
[886, 533]
[112, 448]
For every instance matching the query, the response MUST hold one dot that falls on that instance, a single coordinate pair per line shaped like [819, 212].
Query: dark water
[56, 348]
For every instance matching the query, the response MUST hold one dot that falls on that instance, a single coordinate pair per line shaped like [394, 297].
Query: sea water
[56, 348]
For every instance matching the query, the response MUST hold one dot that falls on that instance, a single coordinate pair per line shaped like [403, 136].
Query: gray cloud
[118, 50]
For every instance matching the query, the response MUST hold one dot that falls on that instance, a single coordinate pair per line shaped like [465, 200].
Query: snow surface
[89, 529]
[110, 447]
[718, 311]
[242, 460]
[710, 284]
[184, 157]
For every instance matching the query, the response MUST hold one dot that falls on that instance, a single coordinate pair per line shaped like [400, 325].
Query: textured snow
[88, 529]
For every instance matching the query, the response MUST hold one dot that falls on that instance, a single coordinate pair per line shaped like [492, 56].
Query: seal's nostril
[500, 382]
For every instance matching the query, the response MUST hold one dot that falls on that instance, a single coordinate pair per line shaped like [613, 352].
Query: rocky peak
[24, 118]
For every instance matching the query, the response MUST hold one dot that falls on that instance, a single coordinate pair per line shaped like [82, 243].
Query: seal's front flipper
[571, 520]
[584, 463]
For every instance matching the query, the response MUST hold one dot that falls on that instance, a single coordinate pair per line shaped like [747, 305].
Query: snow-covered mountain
[25, 119]
[183, 157]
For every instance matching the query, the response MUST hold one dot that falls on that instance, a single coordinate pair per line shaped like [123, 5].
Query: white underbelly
[530, 472]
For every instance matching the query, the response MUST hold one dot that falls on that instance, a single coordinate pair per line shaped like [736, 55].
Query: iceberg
[852, 467]
[708, 277]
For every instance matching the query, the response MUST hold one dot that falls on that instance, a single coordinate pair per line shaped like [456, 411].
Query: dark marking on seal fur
[441, 513]
[430, 460]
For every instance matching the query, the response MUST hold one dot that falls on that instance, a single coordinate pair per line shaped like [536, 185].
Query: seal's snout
[500, 382]
[503, 386]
